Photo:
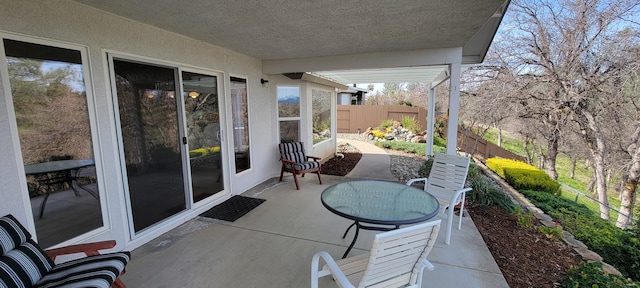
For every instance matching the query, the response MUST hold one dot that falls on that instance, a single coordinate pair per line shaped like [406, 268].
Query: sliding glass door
[151, 142]
[171, 138]
[204, 136]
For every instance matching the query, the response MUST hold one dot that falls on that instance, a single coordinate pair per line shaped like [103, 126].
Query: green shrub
[486, 193]
[525, 179]
[386, 123]
[635, 226]
[499, 164]
[417, 148]
[591, 274]
[425, 169]
[410, 123]
[525, 220]
[438, 141]
[617, 247]
[523, 176]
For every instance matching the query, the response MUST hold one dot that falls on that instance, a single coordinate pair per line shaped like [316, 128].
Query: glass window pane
[321, 113]
[50, 101]
[203, 134]
[240, 115]
[288, 101]
[289, 131]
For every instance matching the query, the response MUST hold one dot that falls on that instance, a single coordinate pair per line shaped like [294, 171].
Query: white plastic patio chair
[446, 182]
[397, 259]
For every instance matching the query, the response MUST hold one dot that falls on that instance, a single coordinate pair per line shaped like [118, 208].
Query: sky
[376, 86]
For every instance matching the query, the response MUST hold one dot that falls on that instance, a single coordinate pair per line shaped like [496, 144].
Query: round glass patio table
[380, 203]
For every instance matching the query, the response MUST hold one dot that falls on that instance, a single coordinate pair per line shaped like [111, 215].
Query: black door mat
[233, 208]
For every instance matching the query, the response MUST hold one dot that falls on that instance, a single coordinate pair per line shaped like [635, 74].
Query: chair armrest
[454, 199]
[334, 270]
[411, 181]
[314, 158]
[89, 249]
[287, 161]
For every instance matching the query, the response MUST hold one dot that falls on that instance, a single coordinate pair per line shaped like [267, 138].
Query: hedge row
[523, 176]
[617, 247]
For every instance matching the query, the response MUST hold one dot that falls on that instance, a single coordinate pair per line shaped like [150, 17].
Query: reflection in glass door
[148, 110]
[203, 134]
[50, 103]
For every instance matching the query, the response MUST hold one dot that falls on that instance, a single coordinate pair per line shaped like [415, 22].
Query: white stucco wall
[102, 32]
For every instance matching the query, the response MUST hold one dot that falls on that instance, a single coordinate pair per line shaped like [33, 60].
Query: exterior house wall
[357, 118]
[323, 149]
[101, 32]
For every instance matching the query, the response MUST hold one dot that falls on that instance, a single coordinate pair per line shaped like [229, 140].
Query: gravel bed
[403, 165]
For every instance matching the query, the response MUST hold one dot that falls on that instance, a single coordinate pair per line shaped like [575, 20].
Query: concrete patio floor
[273, 244]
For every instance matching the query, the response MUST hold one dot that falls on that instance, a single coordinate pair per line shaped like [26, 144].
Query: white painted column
[431, 116]
[454, 108]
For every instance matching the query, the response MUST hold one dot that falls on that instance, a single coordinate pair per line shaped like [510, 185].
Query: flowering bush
[499, 164]
[523, 176]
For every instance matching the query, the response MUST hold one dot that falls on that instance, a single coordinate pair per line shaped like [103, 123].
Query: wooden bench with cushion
[24, 264]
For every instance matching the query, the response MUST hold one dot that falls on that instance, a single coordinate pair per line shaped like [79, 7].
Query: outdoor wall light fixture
[148, 93]
[265, 83]
[194, 94]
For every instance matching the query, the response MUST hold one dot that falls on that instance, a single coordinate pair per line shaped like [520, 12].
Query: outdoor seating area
[275, 242]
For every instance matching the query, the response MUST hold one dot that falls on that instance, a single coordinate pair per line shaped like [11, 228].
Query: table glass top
[55, 166]
[380, 202]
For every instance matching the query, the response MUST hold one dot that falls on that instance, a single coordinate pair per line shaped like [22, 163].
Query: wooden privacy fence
[485, 149]
[357, 118]
[354, 118]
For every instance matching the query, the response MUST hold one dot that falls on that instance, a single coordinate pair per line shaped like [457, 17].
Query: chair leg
[281, 173]
[319, 178]
[118, 284]
[295, 178]
[461, 210]
[450, 214]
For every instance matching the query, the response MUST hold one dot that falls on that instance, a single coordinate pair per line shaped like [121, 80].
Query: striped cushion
[12, 234]
[307, 165]
[92, 271]
[24, 265]
[293, 151]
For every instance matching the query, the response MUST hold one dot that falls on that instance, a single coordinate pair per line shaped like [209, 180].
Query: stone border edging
[547, 221]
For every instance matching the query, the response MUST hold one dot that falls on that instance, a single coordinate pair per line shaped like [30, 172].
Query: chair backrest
[448, 174]
[397, 256]
[22, 261]
[293, 151]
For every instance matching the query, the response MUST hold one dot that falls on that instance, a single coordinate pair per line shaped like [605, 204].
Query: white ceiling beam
[444, 76]
[413, 58]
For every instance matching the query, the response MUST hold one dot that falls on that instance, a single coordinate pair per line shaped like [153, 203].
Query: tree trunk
[542, 158]
[601, 184]
[499, 137]
[530, 154]
[572, 173]
[592, 184]
[628, 195]
[594, 137]
[550, 161]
